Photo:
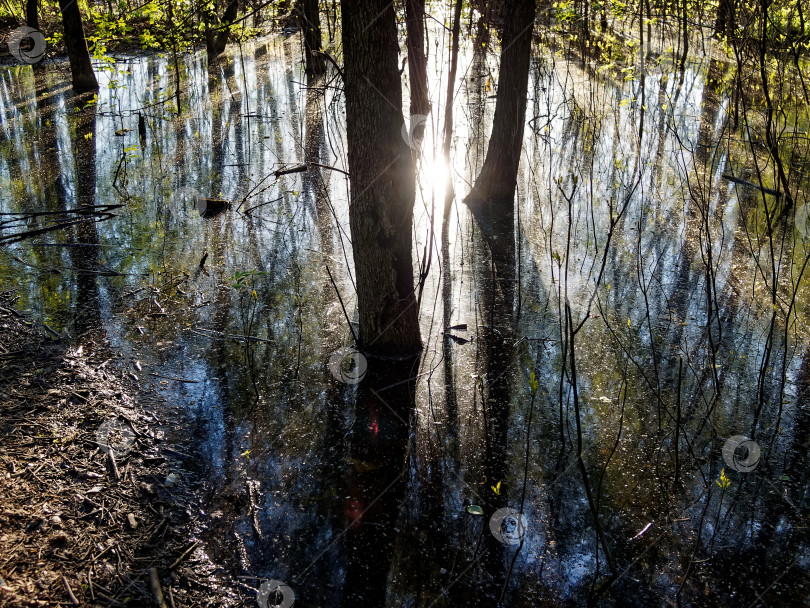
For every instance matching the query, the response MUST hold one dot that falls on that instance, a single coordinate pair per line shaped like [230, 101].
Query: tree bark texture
[492, 199]
[81, 69]
[417, 62]
[381, 180]
[310, 23]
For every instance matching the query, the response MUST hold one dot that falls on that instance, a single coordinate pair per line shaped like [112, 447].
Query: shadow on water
[377, 480]
[383, 492]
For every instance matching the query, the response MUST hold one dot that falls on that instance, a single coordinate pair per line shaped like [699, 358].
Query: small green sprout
[724, 482]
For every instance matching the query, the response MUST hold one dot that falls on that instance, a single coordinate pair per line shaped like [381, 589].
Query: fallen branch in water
[743, 182]
[85, 210]
[13, 238]
[249, 209]
[333, 62]
[279, 172]
[202, 332]
[331, 168]
[174, 378]
[295, 169]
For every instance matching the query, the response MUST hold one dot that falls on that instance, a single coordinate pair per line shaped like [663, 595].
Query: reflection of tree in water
[377, 479]
[85, 254]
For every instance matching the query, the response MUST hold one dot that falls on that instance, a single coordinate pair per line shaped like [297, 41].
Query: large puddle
[389, 491]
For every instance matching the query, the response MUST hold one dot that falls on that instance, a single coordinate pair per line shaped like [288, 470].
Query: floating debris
[210, 207]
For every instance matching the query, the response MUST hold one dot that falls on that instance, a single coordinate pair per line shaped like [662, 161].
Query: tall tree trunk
[81, 68]
[449, 191]
[381, 179]
[221, 40]
[417, 63]
[492, 199]
[724, 24]
[31, 15]
[309, 18]
[210, 20]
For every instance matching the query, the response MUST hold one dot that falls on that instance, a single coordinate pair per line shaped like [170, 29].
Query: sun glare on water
[432, 176]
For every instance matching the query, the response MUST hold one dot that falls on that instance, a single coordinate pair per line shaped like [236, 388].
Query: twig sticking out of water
[95, 213]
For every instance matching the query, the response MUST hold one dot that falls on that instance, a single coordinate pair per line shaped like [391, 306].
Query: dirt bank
[78, 527]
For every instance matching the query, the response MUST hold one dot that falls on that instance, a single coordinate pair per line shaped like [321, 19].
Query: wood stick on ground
[154, 585]
[113, 465]
[184, 554]
[51, 330]
[72, 597]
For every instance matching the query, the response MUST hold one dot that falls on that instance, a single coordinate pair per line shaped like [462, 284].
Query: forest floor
[76, 525]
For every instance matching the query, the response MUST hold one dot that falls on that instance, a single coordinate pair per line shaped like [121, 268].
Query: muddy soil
[77, 525]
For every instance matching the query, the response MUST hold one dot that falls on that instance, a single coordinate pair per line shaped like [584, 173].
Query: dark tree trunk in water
[417, 63]
[31, 16]
[309, 19]
[80, 66]
[381, 179]
[685, 30]
[221, 40]
[492, 199]
[209, 16]
[710, 105]
[725, 18]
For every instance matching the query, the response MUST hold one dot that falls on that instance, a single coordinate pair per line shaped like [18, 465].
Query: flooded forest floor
[617, 415]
